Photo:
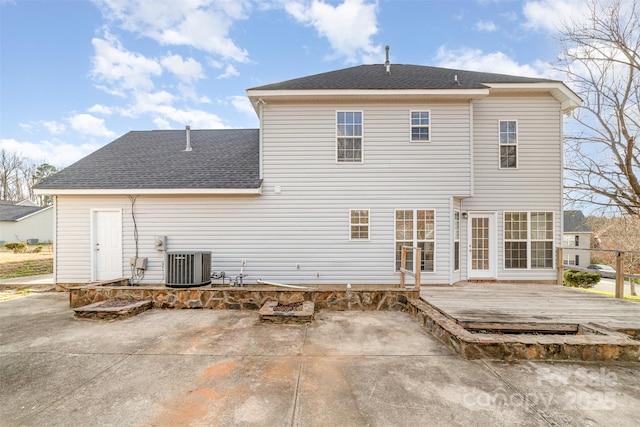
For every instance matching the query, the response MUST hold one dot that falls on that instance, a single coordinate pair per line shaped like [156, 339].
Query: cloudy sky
[76, 74]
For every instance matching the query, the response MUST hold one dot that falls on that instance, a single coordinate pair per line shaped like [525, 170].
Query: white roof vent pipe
[188, 132]
[387, 64]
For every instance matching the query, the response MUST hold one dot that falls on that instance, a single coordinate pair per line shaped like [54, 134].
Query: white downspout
[260, 137]
[471, 163]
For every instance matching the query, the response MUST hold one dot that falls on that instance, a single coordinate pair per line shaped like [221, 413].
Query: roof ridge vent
[188, 132]
[387, 64]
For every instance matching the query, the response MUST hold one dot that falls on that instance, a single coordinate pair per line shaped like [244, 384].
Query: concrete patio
[210, 367]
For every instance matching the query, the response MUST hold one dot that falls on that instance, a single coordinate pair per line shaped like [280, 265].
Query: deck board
[524, 303]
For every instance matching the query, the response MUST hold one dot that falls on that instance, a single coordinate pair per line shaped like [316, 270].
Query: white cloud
[57, 153]
[242, 104]
[197, 119]
[161, 123]
[487, 26]
[494, 62]
[53, 127]
[349, 26]
[201, 24]
[230, 71]
[158, 106]
[100, 109]
[549, 15]
[121, 70]
[186, 71]
[89, 125]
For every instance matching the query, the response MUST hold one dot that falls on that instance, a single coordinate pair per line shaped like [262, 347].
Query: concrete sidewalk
[206, 367]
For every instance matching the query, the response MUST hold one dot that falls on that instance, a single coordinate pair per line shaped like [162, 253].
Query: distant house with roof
[346, 168]
[576, 239]
[25, 221]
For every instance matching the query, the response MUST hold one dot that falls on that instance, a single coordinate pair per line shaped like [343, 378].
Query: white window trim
[509, 145]
[529, 240]
[338, 162]
[411, 127]
[415, 236]
[368, 226]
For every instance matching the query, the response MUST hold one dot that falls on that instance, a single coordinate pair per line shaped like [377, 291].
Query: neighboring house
[25, 221]
[347, 167]
[576, 240]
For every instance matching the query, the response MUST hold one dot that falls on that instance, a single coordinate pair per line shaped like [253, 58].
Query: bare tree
[18, 176]
[602, 63]
[10, 165]
[620, 233]
[38, 174]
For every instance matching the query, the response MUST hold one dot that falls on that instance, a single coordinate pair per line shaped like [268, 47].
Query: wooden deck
[478, 303]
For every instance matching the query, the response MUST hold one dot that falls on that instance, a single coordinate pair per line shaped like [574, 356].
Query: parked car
[604, 270]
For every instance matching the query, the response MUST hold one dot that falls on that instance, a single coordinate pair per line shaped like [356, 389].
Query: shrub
[580, 279]
[16, 247]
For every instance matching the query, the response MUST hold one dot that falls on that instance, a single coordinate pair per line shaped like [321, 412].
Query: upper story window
[349, 137]
[420, 123]
[359, 224]
[508, 144]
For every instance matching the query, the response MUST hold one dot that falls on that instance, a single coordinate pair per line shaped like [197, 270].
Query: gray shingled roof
[224, 158]
[575, 222]
[401, 77]
[12, 212]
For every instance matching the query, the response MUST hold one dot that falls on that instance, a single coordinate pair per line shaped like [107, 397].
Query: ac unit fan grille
[187, 269]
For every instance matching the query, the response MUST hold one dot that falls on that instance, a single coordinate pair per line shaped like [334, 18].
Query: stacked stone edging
[95, 311]
[248, 298]
[596, 347]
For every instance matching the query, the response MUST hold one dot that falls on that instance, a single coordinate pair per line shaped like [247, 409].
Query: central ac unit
[188, 269]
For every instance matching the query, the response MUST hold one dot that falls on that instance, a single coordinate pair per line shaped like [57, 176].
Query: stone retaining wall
[248, 298]
[602, 345]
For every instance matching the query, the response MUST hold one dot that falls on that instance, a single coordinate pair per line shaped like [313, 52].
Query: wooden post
[560, 261]
[619, 274]
[403, 262]
[417, 266]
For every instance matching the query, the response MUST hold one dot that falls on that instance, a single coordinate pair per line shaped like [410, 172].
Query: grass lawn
[25, 264]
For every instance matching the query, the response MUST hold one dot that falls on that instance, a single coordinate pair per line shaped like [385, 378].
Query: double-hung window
[528, 240]
[508, 144]
[416, 227]
[541, 239]
[359, 224]
[349, 137]
[420, 126]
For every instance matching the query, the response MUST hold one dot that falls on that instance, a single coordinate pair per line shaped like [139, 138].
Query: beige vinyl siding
[272, 239]
[35, 226]
[395, 174]
[301, 235]
[536, 185]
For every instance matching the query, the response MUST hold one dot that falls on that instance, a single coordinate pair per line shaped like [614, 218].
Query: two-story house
[576, 240]
[347, 167]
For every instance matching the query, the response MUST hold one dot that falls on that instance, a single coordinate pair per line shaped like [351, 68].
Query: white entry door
[482, 246]
[107, 244]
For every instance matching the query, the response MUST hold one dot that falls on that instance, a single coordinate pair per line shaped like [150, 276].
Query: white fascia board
[567, 98]
[155, 191]
[332, 93]
[34, 213]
